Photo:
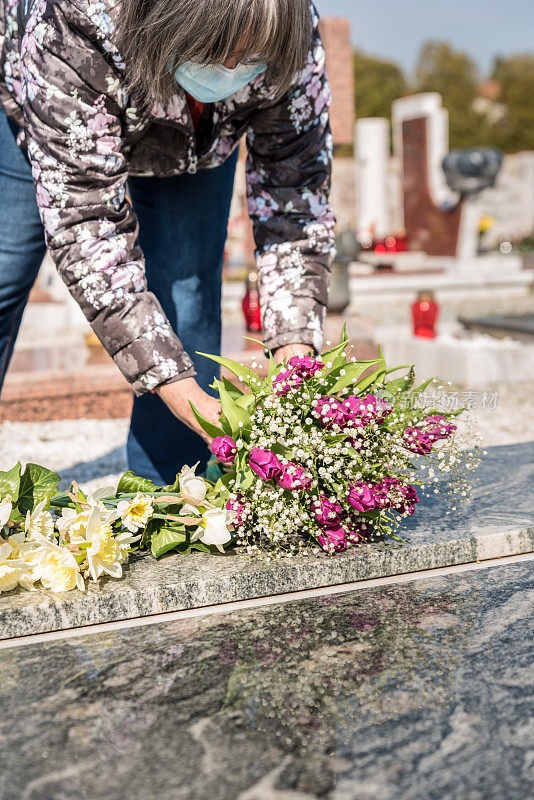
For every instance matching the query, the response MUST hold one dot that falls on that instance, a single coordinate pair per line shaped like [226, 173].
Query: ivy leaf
[167, 539]
[36, 484]
[10, 482]
[131, 484]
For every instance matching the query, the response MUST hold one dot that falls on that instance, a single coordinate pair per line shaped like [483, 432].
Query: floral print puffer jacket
[63, 84]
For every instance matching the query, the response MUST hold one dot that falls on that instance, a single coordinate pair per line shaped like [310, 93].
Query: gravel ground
[93, 451]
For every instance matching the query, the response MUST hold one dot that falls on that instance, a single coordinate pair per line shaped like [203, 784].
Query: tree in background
[454, 75]
[515, 130]
[377, 84]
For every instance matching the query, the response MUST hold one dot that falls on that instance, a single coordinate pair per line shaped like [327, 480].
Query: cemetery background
[450, 664]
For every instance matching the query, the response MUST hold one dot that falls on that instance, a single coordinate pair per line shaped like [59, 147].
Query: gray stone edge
[257, 581]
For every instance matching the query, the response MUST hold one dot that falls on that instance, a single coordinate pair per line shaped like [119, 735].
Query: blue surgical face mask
[209, 84]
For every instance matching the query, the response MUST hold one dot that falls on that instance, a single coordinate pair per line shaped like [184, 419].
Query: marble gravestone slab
[498, 521]
[417, 691]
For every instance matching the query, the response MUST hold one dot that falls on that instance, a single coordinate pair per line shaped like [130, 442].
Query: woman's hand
[290, 350]
[180, 394]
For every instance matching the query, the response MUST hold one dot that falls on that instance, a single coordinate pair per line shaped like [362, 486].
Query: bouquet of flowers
[320, 455]
[61, 540]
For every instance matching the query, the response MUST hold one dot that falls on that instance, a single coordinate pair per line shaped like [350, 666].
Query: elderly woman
[154, 96]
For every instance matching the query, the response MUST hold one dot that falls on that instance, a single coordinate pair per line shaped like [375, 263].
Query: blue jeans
[182, 230]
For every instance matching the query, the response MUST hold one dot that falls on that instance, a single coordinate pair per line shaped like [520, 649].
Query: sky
[396, 29]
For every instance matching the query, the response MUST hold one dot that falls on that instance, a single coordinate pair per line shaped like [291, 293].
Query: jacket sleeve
[74, 111]
[288, 183]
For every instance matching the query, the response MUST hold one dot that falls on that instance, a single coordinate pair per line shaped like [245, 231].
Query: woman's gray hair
[155, 34]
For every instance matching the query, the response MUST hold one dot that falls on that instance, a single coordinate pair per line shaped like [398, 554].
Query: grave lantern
[425, 312]
[251, 303]
[348, 250]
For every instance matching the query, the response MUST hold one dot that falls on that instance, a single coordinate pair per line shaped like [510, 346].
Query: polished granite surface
[498, 521]
[419, 691]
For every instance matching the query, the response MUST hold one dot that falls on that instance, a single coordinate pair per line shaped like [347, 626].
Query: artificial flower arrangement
[321, 455]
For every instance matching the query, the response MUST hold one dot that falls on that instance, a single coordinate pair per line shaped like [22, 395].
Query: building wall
[336, 35]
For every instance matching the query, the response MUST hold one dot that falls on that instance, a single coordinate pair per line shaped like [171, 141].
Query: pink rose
[333, 539]
[330, 412]
[224, 449]
[362, 497]
[417, 441]
[305, 365]
[327, 512]
[264, 463]
[438, 427]
[293, 477]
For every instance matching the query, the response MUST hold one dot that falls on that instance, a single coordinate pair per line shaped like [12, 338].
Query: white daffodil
[39, 523]
[192, 485]
[6, 507]
[72, 524]
[106, 553]
[55, 566]
[135, 513]
[214, 529]
[13, 571]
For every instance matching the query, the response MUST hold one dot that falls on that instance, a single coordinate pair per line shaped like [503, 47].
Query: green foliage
[514, 130]
[131, 484]
[377, 84]
[167, 539]
[454, 75]
[28, 489]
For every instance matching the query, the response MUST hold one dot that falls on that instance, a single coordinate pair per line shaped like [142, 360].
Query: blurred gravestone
[335, 32]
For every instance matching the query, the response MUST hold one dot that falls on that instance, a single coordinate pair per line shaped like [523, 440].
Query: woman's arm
[288, 179]
[74, 114]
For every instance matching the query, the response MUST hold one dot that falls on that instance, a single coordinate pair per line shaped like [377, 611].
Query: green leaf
[246, 401]
[423, 386]
[370, 380]
[245, 373]
[36, 484]
[234, 414]
[10, 482]
[231, 388]
[272, 366]
[131, 484]
[209, 427]
[353, 372]
[405, 383]
[167, 539]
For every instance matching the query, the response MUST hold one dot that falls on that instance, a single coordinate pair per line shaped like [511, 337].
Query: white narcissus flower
[39, 523]
[55, 566]
[6, 507]
[214, 529]
[135, 513]
[72, 524]
[106, 553]
[192, 485]
[13, 571]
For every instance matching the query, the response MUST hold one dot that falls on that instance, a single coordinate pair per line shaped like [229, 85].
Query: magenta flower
[305, 365]
[362, 497]
[264, 463]
[363, 410]
[286, 381]
[327, 512]
[224, 449]
[438, 427]
[330, 412]
[333, 539]
[417, 441]
[388, 491]
[238, 509]
[293, 477]
[410, 499]
[360, 530]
